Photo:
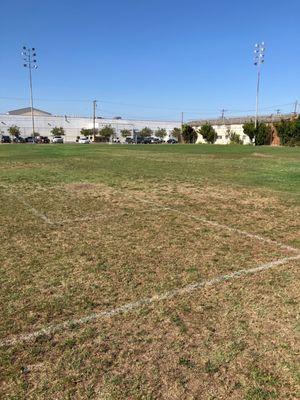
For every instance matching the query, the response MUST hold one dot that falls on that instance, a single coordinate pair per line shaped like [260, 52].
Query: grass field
[149, 272]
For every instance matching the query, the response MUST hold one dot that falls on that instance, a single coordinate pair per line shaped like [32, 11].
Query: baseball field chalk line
[222, 226]
[47, 331]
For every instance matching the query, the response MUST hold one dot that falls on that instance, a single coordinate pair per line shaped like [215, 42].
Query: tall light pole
[29, 57]
[259, 58]
[94, 118]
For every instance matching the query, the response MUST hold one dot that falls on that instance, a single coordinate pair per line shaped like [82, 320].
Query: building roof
[26, 110]
[241, 120]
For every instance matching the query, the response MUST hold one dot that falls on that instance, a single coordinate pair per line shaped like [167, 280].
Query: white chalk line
[47, 331]
[32, 209]
[222, 226]
[167, 208]
[37, 213]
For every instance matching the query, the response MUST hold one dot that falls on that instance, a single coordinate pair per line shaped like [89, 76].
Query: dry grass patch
[235, 340]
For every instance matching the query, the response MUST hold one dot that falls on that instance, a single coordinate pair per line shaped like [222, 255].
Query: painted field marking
[36, 212]
[222, 226]
[17, 339]
[32, 209]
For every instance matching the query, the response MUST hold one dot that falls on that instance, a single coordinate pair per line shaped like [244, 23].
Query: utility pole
[295, 107]
[259, 58]
[223, 111]
[29, 56]
[181, 121]
[278, 111]
[94, 118]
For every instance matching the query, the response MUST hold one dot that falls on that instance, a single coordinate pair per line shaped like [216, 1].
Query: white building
[223, 126]
[45, 122]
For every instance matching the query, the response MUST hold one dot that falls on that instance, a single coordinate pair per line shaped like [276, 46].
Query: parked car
[30, 139]
[172, 141]
[5, 139]
[156, 140]
[147, 140]
[84, 140]
[42, 139]
[57, 139]
[45, 139]
[129, 140]
[18, 139]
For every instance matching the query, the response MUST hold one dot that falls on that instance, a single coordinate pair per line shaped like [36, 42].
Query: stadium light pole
[29, 57]
[259, 58]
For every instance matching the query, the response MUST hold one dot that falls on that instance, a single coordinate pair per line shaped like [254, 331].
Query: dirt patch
[81, 186]
[262, 155]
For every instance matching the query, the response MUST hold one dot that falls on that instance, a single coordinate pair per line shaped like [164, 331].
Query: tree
[260, 135]
[189, 134]
[125, 133]
[56, 131]
[146, 132]
[14, 130]
[88, 132]
[263, 134]
[249, 130]
[161, 133]
[208, 133]
[107, 132]
[289, 132]
[234, 138]
[176, 133]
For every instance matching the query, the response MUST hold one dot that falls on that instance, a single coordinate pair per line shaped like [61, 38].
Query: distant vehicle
[129, 140]
[84, 140]
[147, 140]
[139, 140]
[156, 140]
[30, 139]
[42, 139]
[45, 139]
[18, 139]
[57, 139]
[5, 139]
[172, 141]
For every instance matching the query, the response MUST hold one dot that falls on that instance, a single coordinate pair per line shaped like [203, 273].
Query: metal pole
[296, 106]
[94, 118]
[257, 95]
[31, 95]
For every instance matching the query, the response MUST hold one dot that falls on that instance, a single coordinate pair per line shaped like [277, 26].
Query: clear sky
[150, 59]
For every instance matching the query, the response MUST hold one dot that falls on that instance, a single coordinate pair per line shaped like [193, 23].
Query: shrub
[234, 138]
[261, 134]
[146, 132]
[14, 130]
[57, 131]
[208, 133]
[189, 134]
[289, 132]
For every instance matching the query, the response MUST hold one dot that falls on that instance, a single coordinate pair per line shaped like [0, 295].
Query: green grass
[263, 167]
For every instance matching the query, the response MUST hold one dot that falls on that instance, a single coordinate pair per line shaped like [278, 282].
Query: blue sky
[150, 59]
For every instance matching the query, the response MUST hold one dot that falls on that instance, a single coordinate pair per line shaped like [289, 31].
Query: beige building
[223, 126]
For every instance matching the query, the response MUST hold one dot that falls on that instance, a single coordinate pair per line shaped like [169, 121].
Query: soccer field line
[52, 329]
[222, 226]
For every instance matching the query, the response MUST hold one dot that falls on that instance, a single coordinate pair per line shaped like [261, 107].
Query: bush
[261, 134]
[14, 130]
[176, 133]
[289, 132]
[189, 134]
[234, 138]
[146, 132]
[57, 131]
[208, 133]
